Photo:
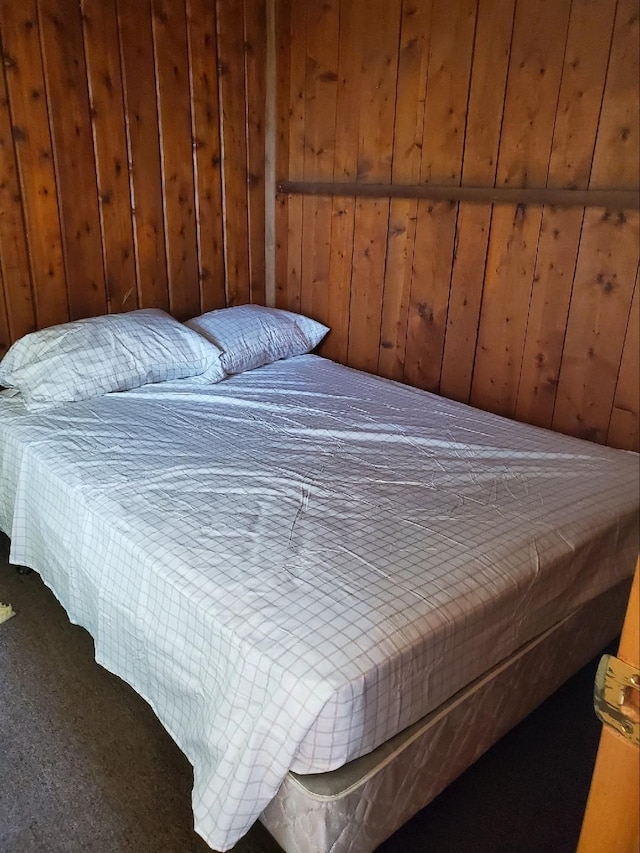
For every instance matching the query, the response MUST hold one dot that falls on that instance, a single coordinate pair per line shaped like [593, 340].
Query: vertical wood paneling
[505, 304]
[485, 303]
[271, 130]
[583, 77]
[144, 148]
[14, 263]
[292, 108]
[525, 142]
[284, 81]
[178, 189]
[368, 259]
[624, 426]
[465, 300]
[379, 26]
[102, 49]
[451, 46]
[345, 154]
[413, 66]
[336, 344]
[450, 53]
[320, 88]
[484, 119]
[34, 155]
[207, 161]
[581, 90]
[232, 80]
[602, 292]
[127, 128]
[616, 162]
[110, 157]
[68, 98]
[608, 254]
[5, 337]
[289, 292]
[255, 45]
[547, 320]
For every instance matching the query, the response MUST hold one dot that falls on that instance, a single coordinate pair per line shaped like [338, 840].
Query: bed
[335, 591]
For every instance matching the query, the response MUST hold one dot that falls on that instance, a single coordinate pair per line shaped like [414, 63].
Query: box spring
[355, 808]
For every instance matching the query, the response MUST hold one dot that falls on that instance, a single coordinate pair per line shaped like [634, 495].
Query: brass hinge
[616, 697]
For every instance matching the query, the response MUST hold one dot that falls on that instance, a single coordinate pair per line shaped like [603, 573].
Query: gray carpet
[86, 766]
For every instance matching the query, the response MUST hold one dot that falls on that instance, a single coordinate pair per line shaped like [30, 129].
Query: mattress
[299, 562]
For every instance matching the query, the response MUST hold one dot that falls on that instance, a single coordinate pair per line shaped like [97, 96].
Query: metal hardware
[616, 697]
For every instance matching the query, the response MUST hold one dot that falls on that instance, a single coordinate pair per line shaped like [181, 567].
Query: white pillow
[91, 357]
[252, 335]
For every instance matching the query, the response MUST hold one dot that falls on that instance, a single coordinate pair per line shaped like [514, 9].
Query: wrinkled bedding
[298, 562]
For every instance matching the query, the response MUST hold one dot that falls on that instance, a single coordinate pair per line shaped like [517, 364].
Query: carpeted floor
[85, 765]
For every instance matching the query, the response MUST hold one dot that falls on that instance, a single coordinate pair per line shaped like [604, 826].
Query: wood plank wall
[132, 141]
[530, 311]
[114, 193]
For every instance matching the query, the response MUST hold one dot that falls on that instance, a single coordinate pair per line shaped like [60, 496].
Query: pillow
[89, 358]
[252, 335]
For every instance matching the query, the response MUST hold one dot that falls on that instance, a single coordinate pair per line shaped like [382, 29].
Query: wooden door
[611, 818]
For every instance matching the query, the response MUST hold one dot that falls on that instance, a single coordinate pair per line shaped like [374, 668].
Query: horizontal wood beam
[611, 199]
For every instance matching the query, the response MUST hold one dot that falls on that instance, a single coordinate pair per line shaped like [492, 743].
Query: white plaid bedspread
[295, 564]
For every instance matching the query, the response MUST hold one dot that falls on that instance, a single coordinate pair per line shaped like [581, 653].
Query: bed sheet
[295, 564]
